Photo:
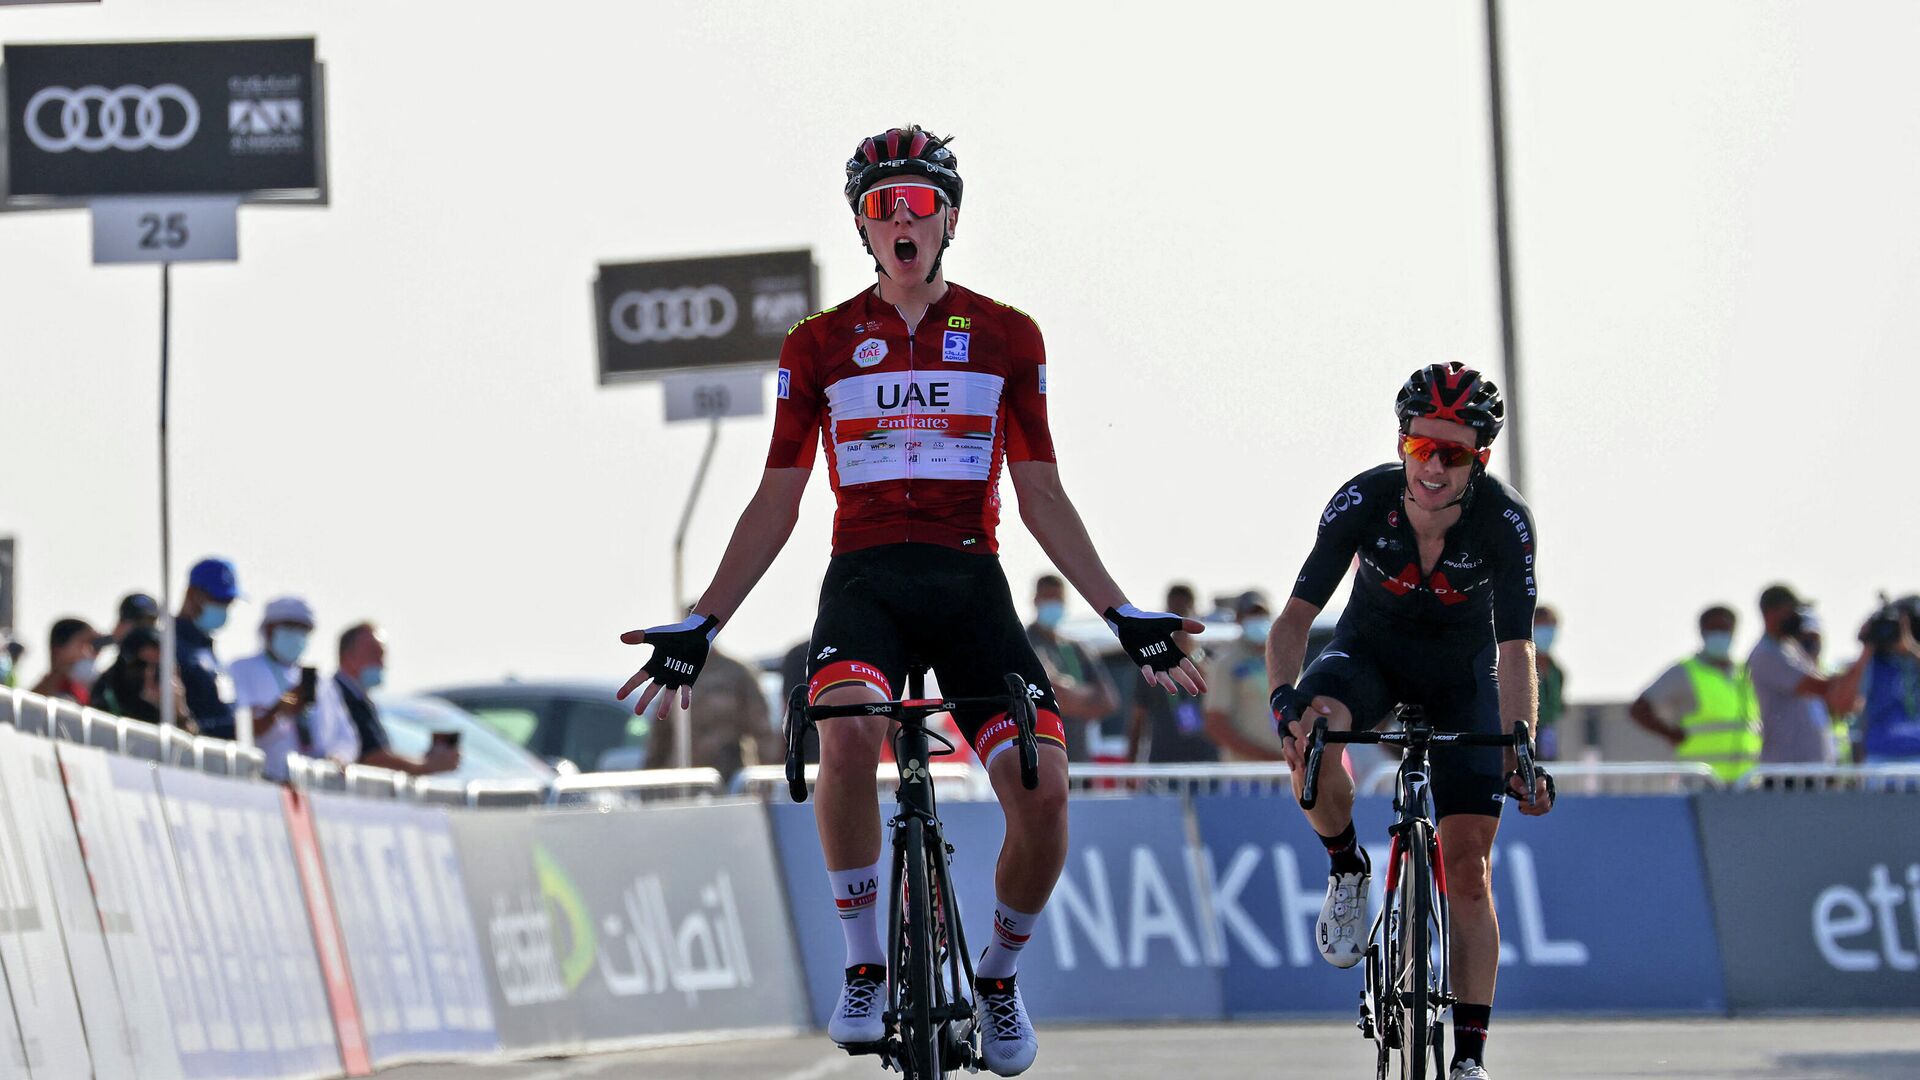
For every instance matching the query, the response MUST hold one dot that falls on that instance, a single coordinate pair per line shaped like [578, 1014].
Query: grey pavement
[1771, 1048]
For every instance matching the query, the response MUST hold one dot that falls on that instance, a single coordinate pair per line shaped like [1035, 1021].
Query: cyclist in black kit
[1442, 606]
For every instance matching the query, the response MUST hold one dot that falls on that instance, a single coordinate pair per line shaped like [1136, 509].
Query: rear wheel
[921, 971]
[1413, 954]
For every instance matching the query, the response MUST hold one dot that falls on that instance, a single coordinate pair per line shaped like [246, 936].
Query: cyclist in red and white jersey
[919, 393]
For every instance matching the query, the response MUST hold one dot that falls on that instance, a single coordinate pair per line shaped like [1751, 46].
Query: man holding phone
[275, 695]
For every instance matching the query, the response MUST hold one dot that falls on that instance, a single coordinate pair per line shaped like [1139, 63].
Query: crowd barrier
[158, 921]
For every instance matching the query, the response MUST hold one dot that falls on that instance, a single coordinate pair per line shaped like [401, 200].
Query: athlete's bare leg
[846, 799]
[1466, 841]
[1035, 848]
[1333, 811]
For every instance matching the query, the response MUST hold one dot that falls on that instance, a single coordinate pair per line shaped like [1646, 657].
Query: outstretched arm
[1052, 519]
[757, 539]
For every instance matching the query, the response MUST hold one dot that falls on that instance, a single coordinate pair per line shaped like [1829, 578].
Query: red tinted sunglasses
[923, 200]
[1452, 454]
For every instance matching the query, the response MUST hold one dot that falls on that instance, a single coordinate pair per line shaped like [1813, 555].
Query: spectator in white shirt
[276, 695]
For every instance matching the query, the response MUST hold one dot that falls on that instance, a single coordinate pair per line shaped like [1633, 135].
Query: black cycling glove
[1147, 636]
[679, 650]
[1287, 704]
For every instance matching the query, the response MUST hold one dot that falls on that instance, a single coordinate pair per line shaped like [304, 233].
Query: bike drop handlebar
[1419, 734]
[913, 713]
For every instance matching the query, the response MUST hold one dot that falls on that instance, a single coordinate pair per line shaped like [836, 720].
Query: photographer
[1885, 683]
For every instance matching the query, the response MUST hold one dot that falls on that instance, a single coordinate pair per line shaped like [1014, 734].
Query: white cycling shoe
[1341, 930]
[1467, 1069]
[1007, 1039]
[856, 1017]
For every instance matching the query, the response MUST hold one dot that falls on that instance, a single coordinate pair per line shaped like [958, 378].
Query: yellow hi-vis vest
[1723, 729]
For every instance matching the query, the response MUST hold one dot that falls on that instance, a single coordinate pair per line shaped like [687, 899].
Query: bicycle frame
[929, 1019]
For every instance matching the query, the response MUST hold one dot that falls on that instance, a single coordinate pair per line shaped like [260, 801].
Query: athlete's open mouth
[1431, 486]
[905, 250]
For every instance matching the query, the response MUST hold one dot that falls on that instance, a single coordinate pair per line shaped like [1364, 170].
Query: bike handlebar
[912, 713]
[1420, 734]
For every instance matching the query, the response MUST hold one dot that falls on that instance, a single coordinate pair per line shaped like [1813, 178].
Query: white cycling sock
[856, 897]
[1011, 929]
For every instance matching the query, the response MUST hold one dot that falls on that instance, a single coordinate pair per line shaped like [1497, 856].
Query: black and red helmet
[908, 151]
[1454, 392]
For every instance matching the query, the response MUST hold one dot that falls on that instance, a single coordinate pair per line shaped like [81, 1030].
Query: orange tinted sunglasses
[1452, 454]
[923, 200]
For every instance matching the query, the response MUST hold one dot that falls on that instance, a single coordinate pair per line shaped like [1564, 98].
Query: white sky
[1240, 226]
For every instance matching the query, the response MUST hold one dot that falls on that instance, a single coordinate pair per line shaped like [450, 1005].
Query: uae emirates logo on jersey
[871, 351]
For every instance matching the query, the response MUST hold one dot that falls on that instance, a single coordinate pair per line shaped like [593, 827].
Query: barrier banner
[13, 1052]
[1840, 929]
[416, 964]
[1576, 928]
[243, 895]
[686, 932]
[53, 1039]
[33, 791]
[116, 812]
[1122, 937]
[330, 947]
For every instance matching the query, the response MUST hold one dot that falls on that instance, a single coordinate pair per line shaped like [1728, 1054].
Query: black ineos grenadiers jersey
[1481, 589]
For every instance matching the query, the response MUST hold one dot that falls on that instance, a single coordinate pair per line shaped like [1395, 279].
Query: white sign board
[166, 228]
[702, 395]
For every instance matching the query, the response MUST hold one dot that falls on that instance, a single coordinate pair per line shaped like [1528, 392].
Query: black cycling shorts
[1371, 674]
[881, 606]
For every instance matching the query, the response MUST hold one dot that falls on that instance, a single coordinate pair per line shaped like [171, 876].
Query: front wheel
[920, 970]
[1414, 954]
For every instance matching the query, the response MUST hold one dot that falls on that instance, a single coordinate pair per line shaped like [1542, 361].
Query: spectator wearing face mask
[70, 651]
[1705, 705]
[276, 695]
[1795, 724]
[1553, 681]
[211, 589]
[1239, 719]
[346, 705]
[131, 686]
[1080, 684]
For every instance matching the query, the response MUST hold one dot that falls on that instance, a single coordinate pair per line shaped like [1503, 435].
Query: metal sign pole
[682, 724]
[164, 678]
[1510, 348]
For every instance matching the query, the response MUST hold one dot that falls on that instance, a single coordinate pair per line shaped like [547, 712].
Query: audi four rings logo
[94, 118]
[708, 311]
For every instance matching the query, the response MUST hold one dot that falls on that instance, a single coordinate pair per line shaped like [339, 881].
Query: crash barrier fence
[164, 922]
[964, 781]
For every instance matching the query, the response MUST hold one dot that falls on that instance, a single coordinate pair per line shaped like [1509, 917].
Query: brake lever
[797, 725]
[1316, 743]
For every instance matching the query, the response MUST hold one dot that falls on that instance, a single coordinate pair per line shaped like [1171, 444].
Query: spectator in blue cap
[211, 589]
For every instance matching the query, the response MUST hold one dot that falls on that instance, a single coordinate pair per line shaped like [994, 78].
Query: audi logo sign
[709, 311]
[680, 314]
[162, 118]
[94, 118]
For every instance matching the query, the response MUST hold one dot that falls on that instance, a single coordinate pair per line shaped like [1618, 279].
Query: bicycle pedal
[857, 1049]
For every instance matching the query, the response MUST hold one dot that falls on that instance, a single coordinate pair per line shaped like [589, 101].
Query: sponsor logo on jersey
[1341, 503]
[1043, 378]
[959, 322]
[871, 351]
[785, 384]
[954, 349]
[935, 425]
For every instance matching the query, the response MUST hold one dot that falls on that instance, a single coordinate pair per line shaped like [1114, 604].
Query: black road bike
[929, 1019]
[1408, 985]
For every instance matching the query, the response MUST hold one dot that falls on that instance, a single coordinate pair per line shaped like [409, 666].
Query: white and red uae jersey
[916, 425]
